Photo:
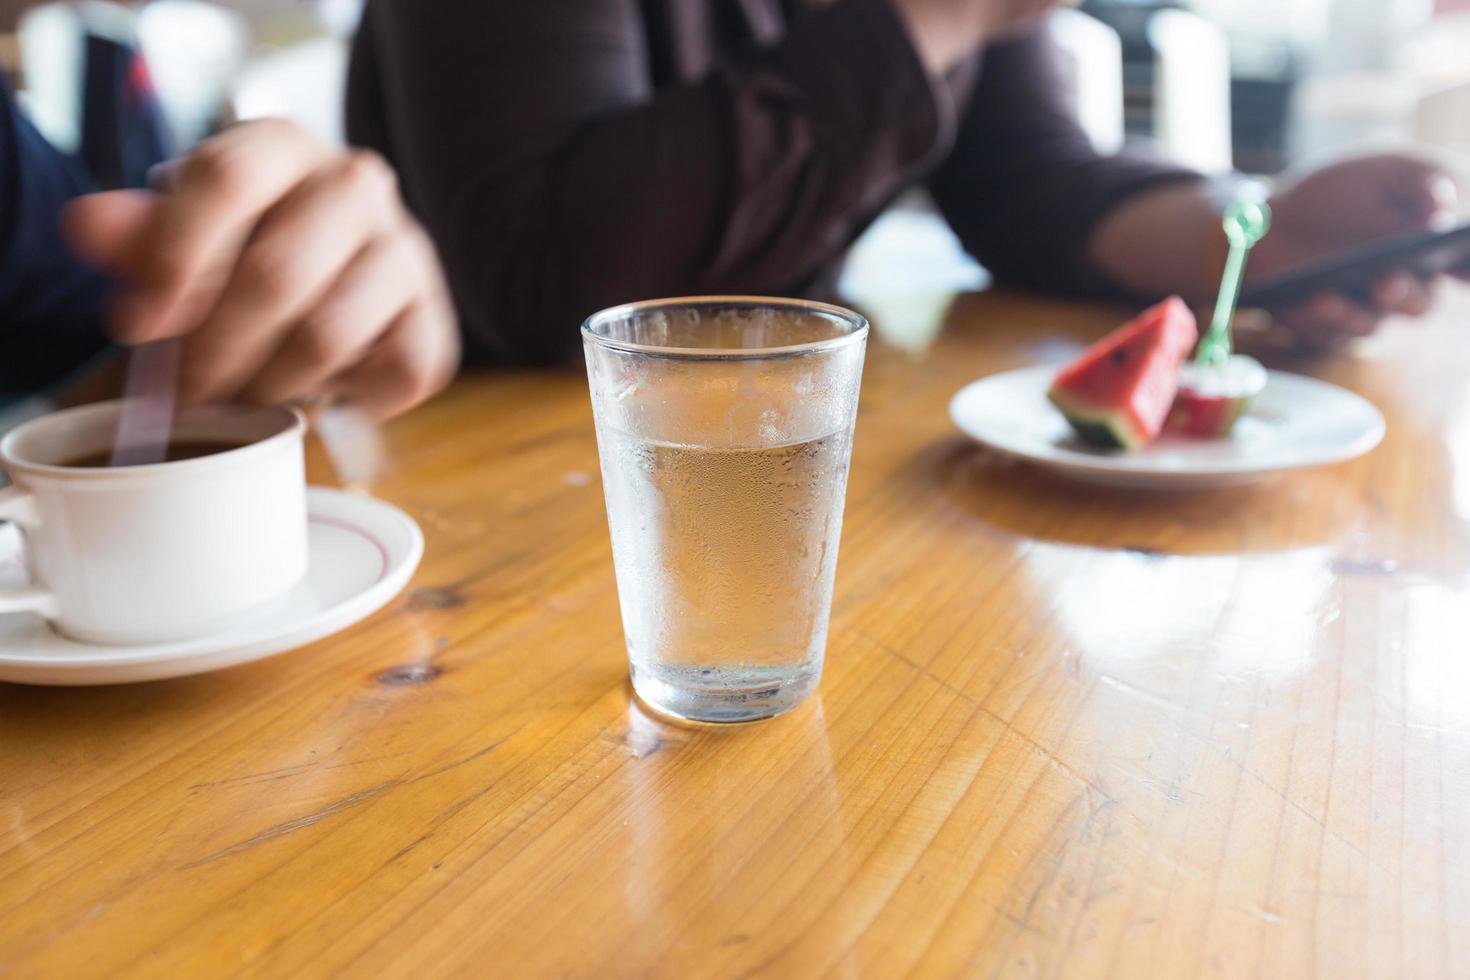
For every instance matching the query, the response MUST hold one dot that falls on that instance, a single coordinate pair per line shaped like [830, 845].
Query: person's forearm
[1162, 240]
[1026, 191]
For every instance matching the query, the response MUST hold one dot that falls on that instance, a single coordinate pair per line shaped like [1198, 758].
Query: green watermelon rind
[1098, 426]
[1118, 412]
[1242, 408]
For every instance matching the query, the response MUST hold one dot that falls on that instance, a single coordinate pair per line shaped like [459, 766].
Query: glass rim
[857, 323]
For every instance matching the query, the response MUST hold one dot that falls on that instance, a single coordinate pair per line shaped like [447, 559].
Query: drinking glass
[724, 426]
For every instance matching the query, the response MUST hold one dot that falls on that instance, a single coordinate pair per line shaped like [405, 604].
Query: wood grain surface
[1063, 731]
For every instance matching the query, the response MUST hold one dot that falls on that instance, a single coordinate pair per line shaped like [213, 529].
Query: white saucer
[1296, 423]
[362, 554]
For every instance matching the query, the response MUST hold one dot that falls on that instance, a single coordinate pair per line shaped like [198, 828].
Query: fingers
[1332, 319]
[1360, 199]
[414, 359]
[370, 295]
[1404, 293]
[1420, 191]
[289, 263]
[183, 260]
[103, 228]
[291, 272]
[1411, 193]
[1328, 320]
[1446, 194]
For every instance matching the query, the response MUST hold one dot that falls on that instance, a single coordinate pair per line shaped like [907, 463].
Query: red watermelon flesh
[1119, 392]
[1212, 399]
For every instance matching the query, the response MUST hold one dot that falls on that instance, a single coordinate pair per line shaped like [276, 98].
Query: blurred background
[1259, 85]
[210, 63]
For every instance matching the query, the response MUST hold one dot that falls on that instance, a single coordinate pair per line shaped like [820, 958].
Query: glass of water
[724, 425]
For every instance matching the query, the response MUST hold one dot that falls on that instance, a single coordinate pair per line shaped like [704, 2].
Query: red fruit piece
[1119, 392]
[1212, 399]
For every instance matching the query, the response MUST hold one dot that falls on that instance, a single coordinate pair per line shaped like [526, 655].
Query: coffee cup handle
[19, 507]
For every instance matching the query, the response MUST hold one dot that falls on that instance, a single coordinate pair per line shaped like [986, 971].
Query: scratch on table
[458, 762]
[269, 775]
[1134, 690]
[1050, 756]
[1172, 790]
[1437, 729]
[1293, 804]
[299, 823]
[273, 775]
[1023, 922]
[1024, 926]
[405, 850]
[467, 759]
[440, 597]
[459, 805]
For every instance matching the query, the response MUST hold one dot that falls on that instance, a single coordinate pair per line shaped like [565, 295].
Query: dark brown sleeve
[555, 181]
[1023, 187]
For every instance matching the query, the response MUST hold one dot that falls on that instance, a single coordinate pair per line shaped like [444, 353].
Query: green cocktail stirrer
[1246, 223]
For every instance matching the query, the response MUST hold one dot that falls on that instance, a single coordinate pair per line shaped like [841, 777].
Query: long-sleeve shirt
[576, 154]
[50, 303]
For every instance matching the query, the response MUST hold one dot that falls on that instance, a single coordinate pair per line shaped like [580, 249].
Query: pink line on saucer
[360, 532]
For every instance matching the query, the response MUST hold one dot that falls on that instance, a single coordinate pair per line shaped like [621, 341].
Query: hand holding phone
[1353, 243]
[1354, 271]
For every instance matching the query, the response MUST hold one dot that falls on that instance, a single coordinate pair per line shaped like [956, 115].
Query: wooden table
[1062, 730]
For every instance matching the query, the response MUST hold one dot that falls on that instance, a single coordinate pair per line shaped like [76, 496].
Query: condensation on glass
[724, 426]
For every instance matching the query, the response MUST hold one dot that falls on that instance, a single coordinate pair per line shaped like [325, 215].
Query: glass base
[709, 696]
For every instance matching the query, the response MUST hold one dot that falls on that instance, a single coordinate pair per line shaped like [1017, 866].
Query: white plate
[1296, 423]
[362, 552]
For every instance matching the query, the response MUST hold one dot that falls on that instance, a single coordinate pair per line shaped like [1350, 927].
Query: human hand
[947, 31]
[1340, 206]
[292, 271]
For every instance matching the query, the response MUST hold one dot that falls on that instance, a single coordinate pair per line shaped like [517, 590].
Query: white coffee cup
[152, 554]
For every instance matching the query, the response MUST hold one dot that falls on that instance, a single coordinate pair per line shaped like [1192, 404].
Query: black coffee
[191, 449]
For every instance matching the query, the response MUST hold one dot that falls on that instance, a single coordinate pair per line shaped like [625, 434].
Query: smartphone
[1354, 271]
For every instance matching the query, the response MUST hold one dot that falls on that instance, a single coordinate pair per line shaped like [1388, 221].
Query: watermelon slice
[1211, 400]
[1119, 392]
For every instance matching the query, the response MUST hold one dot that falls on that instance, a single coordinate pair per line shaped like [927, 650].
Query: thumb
[1421, 193]
[107, 229]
